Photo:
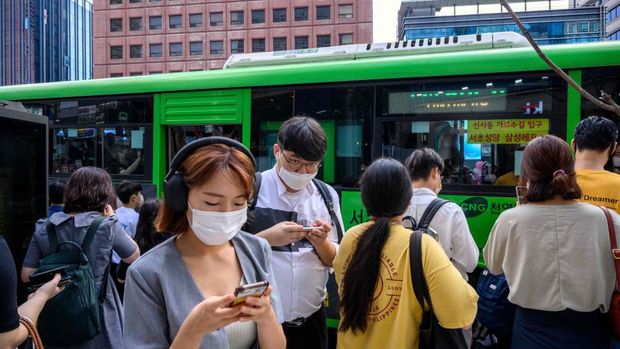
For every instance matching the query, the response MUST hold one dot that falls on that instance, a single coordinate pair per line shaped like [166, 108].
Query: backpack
[75, 315]
[495, 312]
[323, 190]
[423, 226]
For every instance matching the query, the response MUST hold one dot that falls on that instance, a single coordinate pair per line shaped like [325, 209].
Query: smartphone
[249, 290]
[39, 279]
[309, 228]
[521, 195]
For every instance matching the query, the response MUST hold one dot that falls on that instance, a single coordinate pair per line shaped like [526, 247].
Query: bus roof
[572, 56]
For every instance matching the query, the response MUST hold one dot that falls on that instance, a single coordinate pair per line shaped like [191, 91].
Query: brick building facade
[137, 37]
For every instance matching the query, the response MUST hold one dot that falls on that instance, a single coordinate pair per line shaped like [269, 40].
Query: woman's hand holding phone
[210, 315]
[258, 309]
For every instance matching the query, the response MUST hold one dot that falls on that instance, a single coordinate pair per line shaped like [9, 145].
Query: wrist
[268, 318]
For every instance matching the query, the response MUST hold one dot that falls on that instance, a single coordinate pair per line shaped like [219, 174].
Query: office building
[419, 19]
[136, 37]
[45, 40]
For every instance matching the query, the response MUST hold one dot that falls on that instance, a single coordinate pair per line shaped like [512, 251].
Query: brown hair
[549, 168]
[197, 168]
[88, 189]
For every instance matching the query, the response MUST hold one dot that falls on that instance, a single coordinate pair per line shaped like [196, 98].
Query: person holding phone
[556, 255]
[180, 293]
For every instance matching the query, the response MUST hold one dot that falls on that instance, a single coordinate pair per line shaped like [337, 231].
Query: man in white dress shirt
[291, 214]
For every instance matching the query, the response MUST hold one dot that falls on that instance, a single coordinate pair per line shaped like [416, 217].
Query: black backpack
[423, 226]
[321, 186]
[75, 315]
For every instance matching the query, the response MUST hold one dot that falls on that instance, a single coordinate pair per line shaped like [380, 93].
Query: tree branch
[604, 102]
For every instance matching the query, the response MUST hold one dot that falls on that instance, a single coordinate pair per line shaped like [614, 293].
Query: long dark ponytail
[386, 193]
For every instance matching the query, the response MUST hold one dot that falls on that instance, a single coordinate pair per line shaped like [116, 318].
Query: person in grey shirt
[180, 293]
[86, 197]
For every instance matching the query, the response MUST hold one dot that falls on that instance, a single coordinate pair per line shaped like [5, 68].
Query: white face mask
[294, 180]
[140, 200]
[217, 228]
[616, 161]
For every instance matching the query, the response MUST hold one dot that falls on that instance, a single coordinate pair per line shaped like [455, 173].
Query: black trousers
[312, 334]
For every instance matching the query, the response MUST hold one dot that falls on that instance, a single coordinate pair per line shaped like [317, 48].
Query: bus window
[475, 152]
[73, 148]
[123, 150]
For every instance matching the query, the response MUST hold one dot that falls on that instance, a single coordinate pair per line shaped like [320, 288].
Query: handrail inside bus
[360, 51]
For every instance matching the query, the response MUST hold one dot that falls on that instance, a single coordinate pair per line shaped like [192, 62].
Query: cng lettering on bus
[474, 206]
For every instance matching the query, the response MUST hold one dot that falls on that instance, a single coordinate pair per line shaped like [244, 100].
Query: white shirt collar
[423, 191]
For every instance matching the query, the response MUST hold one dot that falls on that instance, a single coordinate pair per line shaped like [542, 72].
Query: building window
[236, 46]
[301, 14]
[258, 16]
[135, 51]
[216, 19]
[236, 17]
[323, 40]
[175, 22]
[279, 15]
[135, 1]
[345, 39]
[135, 73]
[323, 12]
[176, 49]
[301, 42]
[155, 22]
[116, 52]
[116, 2]
[216, 47]
[116, 75]
[155, 72]
[258, 45]
[155, 50]
[195, 48]
[345, 11]
[135, 24]
[279, 44]
[584, 27]
[571, 27]
[116, 25]
[195, 20]
[595, 26]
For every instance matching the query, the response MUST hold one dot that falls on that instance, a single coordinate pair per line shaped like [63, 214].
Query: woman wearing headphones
[180, 294]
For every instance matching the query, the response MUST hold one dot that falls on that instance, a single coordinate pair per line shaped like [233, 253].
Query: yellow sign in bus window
[506, 131]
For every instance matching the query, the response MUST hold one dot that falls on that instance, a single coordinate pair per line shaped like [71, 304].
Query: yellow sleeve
[454, 300]
[344, 253]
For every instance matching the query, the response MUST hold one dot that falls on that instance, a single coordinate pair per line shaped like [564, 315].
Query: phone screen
[521, 195]
[249, 290]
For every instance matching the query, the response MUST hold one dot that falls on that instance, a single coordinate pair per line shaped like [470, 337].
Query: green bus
[475, 99]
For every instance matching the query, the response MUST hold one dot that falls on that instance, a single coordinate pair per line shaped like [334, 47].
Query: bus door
[180, 135]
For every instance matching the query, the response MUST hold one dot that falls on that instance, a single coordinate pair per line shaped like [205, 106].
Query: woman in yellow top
[378, 306]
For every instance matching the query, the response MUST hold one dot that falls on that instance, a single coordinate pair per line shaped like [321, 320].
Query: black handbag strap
[417, 273]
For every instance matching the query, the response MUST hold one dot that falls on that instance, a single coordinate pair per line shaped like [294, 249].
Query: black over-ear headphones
[175, 188]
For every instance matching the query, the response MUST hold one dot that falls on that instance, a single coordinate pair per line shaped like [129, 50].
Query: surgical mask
[140, 200]
[217, 228]
[294, 180]
[616, 161]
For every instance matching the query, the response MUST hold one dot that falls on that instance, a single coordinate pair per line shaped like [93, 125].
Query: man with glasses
[291, 214]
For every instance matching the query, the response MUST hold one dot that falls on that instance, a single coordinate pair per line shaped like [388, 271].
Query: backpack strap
[429, 213]
[258, 179]
[90, 233]
[51, 235]
[417, 273]
[327, 199]
[615, 252]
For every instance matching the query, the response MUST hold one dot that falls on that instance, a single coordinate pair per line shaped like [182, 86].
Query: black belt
[296, 322]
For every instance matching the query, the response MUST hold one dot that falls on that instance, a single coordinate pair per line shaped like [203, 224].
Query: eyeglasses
[311, 166]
